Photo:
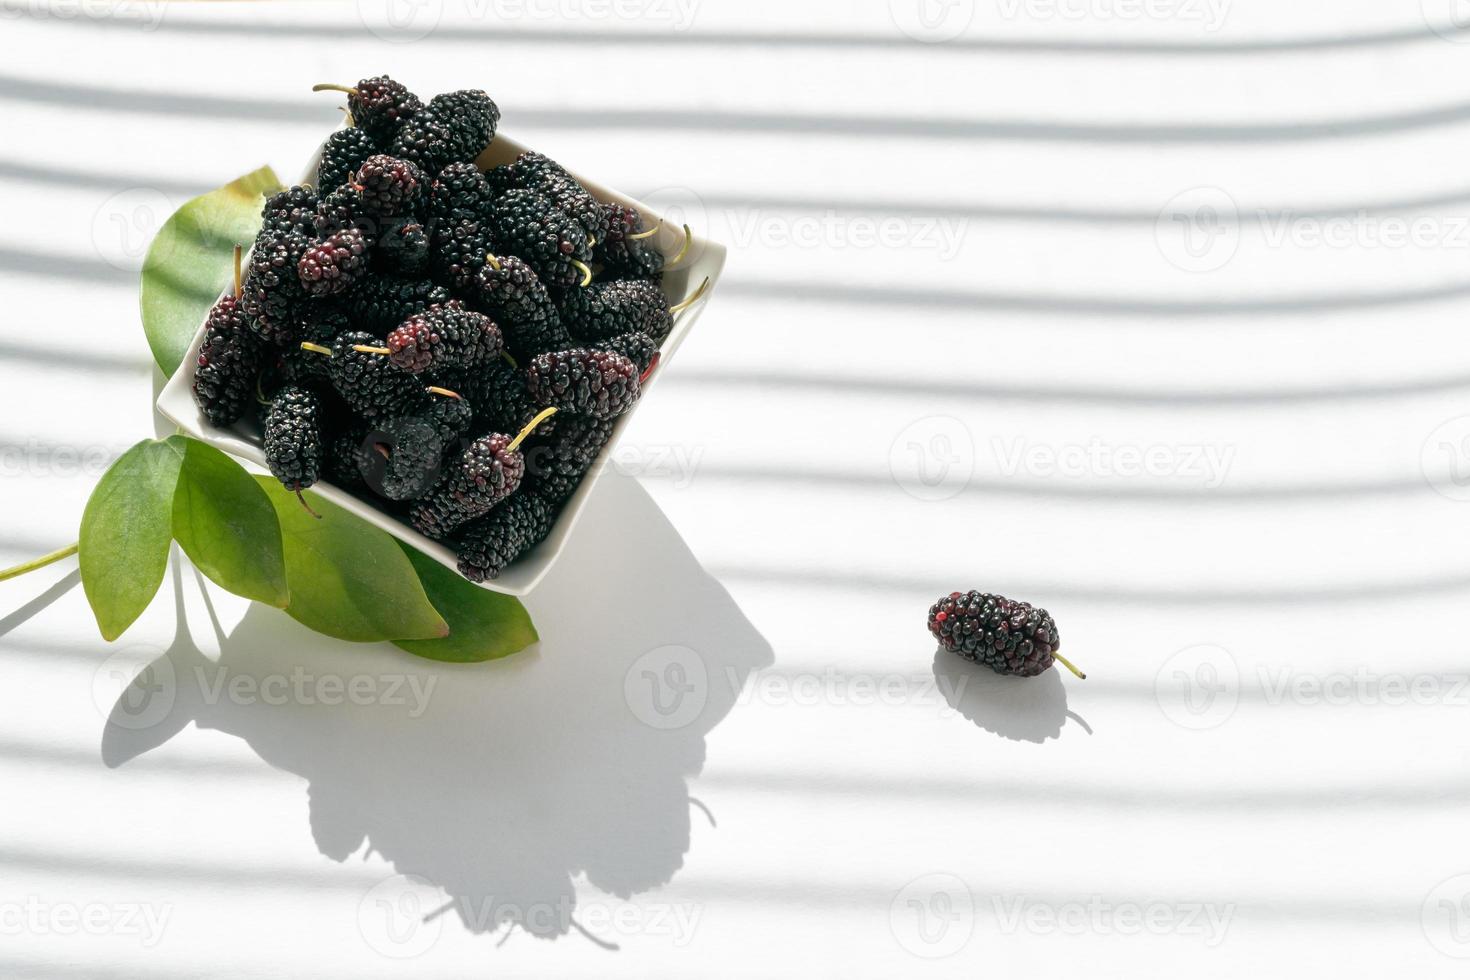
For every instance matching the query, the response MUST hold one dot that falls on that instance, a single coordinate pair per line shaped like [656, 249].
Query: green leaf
[483, 625]
[227, 526]
[126, 528]
[190, 261]
[347, 578]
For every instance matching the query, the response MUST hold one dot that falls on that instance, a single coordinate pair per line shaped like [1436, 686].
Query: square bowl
[706, 260]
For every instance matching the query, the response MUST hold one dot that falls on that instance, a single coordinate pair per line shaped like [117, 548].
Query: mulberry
[345, 151]
[415, 448]
[509, 290]
[497, 394]
[626, 250]
[459, 251]
[460, 193]
[608, 309]
[489, 471]
[528, 224]
[637, 347]
[289, 210]
[383, 302]
[555, 465]
[452, 128]
[444, 337]
[403, 248]
[229, 360]
[331, 267]
[349, 458]
[293, 438]
[378, 105]
[388, 186]
[585, 382]
[273, 293]
[1007, 636]
[492, 542]
[370, 384]
[536, 172]
[344, 209]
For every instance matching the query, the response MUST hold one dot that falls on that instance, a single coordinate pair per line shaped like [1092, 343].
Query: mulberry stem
[1067, 664]
[692, 299]
[542, 416]
[302, 497]
[683, 251]
[494, 262]
[239, 279]
[436, 390]
[41, 562]
[366, 349]
[647, 234]
[586, 271]
[505, 356]
[329, 87]
[316, 348]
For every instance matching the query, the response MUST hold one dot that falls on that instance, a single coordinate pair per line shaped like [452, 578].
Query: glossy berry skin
[381, 303]
[556, 463]
[293, 438]
[402, 249]
[444, 338]
[609, 309]
[344, 152]
[415, 446]
[584, 382]
[289, 210]
[380, 105]
[536, 172]
[484, 475]
[621, 255]
[229, 361]
[370, 384]
[492, 542]
[637, 347]
[509, 290]
[388, 186]
[1008, 636]
[452, 128]
[273, 295]
[527, 224]
[497, 394]
[459, 193]
[331, 267]
[458, 251]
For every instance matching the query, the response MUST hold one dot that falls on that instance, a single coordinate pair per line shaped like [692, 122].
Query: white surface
[1318, 830]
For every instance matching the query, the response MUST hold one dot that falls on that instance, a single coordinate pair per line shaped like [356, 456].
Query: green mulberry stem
[544, 414]
[41, 562]
[1067, 664]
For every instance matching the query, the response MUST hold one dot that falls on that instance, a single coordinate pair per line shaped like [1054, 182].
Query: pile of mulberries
[453, 345]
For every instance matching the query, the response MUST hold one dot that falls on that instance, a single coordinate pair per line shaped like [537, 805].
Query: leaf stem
[41, 562]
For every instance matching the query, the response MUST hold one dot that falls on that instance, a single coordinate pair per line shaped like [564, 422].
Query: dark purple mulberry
[379, 105]
[290, 210]
[556, 464]
[371, 384]
[344, 152]
[273, 294]
[584, 382]
[381, 303]
[403, 248]
[1007, 636]
[444, 337]
[637, 347]
[331, 267]
[537, 172]
[488, 472]
[415, 446]
[509, 290]
[621, 255]
[608, 309]
[389, 186]
[229, 361]
[492, 542]
[528, 224]
[293, 438]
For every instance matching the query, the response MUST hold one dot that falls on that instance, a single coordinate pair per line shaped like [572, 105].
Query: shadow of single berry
[1024, 709]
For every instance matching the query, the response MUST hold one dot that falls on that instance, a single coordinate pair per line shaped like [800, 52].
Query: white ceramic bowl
[706, 259]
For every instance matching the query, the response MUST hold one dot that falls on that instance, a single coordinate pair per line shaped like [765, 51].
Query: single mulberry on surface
[492, 542]
[487, 473]
[608, 309]
[229, 361]
[584, 382]
[637, 347]
[331, 267]
[273, 292]
[444, 337]
[370, 384]
[528, 224]
[344, 152]
[1008, 636]
[381, 303]
[389, 186]
[293, 438]
[537, 172]
[509, 290]
[621, 255]
[379, 105]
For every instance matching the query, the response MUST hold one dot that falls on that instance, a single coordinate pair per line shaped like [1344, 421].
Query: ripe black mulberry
[443, 338]
[585, 382]
[293, 438]
[528, 224]
[608, 309]
[492, 542]
[331, 267]
[1008, 636]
